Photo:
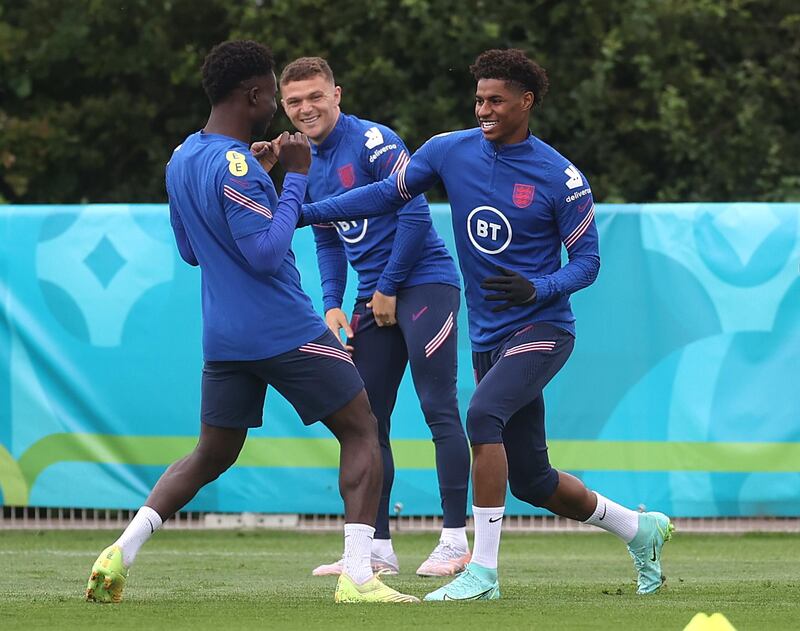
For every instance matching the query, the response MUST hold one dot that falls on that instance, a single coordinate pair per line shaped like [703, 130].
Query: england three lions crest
[523, 195]
[347, 175]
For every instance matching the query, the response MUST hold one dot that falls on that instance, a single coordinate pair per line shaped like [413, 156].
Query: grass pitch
[262, 580]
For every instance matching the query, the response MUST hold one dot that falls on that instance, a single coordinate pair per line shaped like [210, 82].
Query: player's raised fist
[295, 153]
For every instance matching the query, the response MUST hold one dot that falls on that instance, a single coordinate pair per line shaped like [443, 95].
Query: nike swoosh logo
[583, 206]
[476, 597]
[655, 557]
[492, 521]
[605, 506]
[152, 530]
[416, 315]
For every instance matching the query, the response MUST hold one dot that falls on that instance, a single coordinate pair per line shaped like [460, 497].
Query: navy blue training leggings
[508, 406]
[425, 337]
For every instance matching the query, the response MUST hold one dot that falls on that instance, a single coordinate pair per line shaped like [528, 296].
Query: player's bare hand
[267, 152]
[295, 152]
[337, 322]
[384, 309]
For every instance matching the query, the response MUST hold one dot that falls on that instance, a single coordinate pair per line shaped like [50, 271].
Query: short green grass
[233, 581]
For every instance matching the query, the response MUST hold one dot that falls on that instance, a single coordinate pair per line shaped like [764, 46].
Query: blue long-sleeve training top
[227, 218]
[512, 206]
[389, 251]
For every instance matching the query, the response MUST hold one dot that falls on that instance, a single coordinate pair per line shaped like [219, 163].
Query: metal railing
[37, 518]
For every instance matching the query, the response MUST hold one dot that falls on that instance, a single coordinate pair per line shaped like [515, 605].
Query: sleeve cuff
[386, 287]
[542, 289]
[300, 178]
[331, 303]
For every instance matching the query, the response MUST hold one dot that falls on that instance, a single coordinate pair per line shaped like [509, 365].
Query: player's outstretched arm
[378, 198]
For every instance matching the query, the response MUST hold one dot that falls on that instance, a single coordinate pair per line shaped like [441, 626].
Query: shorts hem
[313, 417]
[234, 425]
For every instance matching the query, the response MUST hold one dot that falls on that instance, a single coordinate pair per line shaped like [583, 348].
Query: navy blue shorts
[510, 380]
[318, 379]
[508, 405]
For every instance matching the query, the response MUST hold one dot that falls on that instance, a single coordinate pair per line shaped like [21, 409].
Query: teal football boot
[655, 529]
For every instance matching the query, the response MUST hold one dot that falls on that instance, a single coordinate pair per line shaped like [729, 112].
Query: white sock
[142, 526]
[357, 548]
[614, 518]
[488, 524]
[382, 547]
[456, 537]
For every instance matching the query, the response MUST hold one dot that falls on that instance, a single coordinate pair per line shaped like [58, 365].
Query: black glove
[511, 287]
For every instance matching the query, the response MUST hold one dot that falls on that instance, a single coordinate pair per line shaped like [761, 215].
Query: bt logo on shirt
[351, 231]
[488, 230]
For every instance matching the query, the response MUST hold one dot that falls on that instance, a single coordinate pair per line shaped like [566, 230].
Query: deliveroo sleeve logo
[105, 262]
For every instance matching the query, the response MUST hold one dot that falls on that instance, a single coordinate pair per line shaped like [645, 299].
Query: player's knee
[535, 490]
[441, 415]
[431, 408]
[215, 462]
[365, 429]
[354, 423]
[483, 426]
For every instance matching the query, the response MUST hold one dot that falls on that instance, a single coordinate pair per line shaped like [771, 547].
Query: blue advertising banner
[682, 392]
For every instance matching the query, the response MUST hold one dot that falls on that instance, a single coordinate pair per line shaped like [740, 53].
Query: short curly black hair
[514, 66]
[230, 63]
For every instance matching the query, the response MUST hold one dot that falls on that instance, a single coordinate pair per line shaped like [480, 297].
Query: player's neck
[520, 135]
[318, 140]
[227, 123]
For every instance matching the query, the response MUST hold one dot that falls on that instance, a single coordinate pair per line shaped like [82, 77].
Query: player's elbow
[591, 268]
[594, 267]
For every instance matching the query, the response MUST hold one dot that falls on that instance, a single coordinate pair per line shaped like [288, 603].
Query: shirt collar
[205, 137]
[337, 133]
[519, 149]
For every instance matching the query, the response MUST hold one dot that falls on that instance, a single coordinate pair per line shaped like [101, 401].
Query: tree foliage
[654, 101]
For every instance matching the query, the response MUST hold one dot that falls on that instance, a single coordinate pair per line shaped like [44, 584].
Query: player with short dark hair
[259, 328]
[407, 306]
[514, 200]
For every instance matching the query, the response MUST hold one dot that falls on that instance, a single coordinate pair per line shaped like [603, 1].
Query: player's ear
[252, 95]
[337, 95]
[528, 100]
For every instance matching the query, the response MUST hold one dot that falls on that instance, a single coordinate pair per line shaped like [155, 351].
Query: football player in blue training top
[259, 327]
[407, 305]
[515, 201]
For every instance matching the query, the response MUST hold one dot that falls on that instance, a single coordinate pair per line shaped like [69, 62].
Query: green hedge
[653, 100]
